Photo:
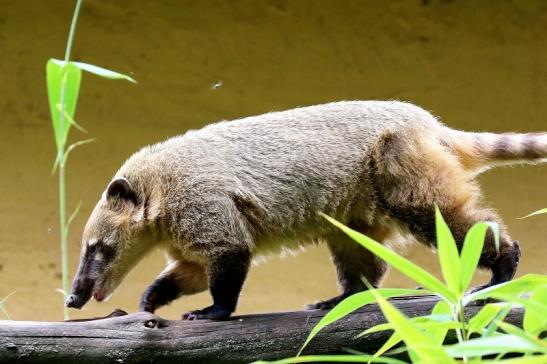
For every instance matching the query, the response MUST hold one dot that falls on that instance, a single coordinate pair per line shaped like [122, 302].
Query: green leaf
[96, 70]
[538, 212]
[361, 358]
[427, 325]
[524, 284]
[500, 316]
[485, 316]
[393, 340]
[438, 333]
[72, 216]
[449, 257]
[535, 359]
[59, 77]
[492, 345]
[70, 119]
[472, 249]
[74, 146]
[398, 262]
[537, 310]
[353, 303]
[535, 322]
[541, 345]
[423, 346]
[2, 304]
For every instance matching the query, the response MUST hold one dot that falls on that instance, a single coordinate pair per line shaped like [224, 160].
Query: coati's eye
[98, 250]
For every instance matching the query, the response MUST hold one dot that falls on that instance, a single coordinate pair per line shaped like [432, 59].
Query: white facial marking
[92, 242]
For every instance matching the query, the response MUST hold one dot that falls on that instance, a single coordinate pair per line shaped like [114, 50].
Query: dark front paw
[149, 302]
[160, 293]
[214, 312]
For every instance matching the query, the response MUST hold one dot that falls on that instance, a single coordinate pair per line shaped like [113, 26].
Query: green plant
[3, 303]
[63, 86]
[538, 212]
[483, 334]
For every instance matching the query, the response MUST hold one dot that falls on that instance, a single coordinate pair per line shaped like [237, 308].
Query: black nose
[70, 301]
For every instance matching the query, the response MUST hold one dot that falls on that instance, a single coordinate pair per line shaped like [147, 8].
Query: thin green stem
[72, 30]
[63, 232]
[459, 315]
[462, 320]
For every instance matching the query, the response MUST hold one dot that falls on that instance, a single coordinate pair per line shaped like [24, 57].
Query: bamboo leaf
[61, 291]
[56, 164]
[74, 146]
[500, 316]
[472, 249]
[438, 333]
[361, 358]
[353, 303]
[537, 310]
[538, 212]
[2, 305]
[73, 215]
[535, 359]
[393, 340]
[422, 345]
[517, 331]
[96, 70]
[430, 322]
[526, 283]
[69, 118]
[536, 321]
[449, 257]
[485, 316]
[59, 77]
[492, 345]
[398, 262]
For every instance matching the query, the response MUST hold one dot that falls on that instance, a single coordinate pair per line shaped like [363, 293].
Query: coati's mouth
[100, 293]
[99, 290]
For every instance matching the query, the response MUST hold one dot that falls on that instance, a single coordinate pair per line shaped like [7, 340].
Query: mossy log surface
[144, 337]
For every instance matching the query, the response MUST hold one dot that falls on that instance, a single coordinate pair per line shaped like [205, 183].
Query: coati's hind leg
[353, 264]
[411, 174]
[502, 263]
[179, 278]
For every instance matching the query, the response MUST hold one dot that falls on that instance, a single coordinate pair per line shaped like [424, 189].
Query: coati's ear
[121, 188]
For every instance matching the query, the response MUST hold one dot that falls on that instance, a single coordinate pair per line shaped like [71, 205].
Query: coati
[217, 197]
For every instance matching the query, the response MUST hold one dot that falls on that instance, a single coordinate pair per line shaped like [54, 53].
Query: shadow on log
[144, 337]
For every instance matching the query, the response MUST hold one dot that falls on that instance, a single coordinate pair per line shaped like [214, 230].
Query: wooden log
[144, 337]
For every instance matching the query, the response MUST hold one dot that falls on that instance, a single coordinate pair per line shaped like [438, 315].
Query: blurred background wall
[479, 65]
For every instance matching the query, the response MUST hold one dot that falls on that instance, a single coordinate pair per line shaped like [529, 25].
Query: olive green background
[479, 65]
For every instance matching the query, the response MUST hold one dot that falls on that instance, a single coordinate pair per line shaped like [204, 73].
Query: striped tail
[479, 152]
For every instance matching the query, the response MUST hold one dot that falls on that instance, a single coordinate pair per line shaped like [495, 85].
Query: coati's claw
[214, 312]
[326, 304]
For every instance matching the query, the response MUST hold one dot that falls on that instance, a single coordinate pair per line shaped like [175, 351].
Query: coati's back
[283, 167]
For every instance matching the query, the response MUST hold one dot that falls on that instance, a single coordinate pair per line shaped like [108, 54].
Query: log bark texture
[146, 338]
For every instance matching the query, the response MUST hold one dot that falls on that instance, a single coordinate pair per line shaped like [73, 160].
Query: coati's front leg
[218, 233]
[178, 278]
[227, 271]
[353, 264]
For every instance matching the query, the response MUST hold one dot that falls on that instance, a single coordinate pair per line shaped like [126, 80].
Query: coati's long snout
[80, 294]
[91, 279]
